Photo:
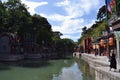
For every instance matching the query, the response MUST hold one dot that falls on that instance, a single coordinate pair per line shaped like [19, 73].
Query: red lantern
[111, 41]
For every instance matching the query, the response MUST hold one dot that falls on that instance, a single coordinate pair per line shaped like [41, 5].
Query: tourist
[113, 63]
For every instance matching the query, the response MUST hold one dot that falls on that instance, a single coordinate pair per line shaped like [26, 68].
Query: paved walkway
[103, 61]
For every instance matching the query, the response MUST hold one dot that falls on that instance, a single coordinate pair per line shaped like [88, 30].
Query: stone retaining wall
[101, 68]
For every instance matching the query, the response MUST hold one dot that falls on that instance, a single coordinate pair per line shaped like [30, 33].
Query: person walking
[113, 62]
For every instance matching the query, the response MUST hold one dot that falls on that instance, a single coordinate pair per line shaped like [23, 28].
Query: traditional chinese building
[9, 47]
[113, 22]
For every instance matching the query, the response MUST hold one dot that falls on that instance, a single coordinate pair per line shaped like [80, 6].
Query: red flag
[110, 5]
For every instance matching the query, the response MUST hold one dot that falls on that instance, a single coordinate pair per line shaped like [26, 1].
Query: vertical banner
[88, 45]
[110, 8]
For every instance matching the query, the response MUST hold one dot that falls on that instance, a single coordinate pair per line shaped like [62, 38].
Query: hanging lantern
[111, 41]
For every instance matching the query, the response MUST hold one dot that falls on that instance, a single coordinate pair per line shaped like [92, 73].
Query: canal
[62, 69]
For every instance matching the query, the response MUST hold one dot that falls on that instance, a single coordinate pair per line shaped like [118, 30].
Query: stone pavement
[101, 64]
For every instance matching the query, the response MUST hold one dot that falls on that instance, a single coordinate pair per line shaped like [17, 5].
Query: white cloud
[77, 8]
[65, 2]
[55, 17]
[72, 26]
[71, 30]
[68, 25]
[33, 5]
[88, 5]
[71, 8]
[74, 21]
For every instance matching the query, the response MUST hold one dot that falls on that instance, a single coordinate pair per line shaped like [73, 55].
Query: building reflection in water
[88, 72]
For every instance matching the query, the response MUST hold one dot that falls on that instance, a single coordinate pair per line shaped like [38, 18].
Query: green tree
[43, 29]
[17, 15]
[2, 16]
[118, 7]
[94, 31]
[64, 47]
[84, 30]
[56, 36]
[101, 13]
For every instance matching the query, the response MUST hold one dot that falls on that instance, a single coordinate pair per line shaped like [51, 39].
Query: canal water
[62, 69]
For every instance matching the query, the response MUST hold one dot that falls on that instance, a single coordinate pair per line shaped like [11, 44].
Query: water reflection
[64, 69]
[69, 73]
[88, 72]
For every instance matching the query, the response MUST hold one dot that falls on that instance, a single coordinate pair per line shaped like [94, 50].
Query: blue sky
[66, 16]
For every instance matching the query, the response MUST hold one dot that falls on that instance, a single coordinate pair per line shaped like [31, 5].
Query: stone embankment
[101, 66]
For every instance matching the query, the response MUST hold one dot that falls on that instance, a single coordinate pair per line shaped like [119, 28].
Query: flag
[109, 8]
[110, 5]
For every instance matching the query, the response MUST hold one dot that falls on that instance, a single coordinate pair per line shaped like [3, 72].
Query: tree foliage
[118, 7]
[101, 13]
[64, 47]
[16, 18]
[16, 15]
[94, 31]
[43, 29]
[84, 29]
